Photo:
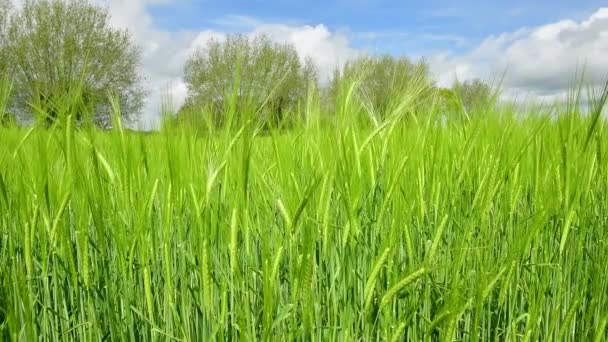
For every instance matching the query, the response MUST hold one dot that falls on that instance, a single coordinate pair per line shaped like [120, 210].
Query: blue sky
[397, 27]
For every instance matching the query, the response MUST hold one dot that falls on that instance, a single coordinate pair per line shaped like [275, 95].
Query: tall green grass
[415, 228]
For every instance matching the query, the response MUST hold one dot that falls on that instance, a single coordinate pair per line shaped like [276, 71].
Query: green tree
[5, 82]
[383, 81]
[65, 52]
[5, 10]
[241, 74]
[473, 93]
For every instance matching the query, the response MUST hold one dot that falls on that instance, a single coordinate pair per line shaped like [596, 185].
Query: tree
[64, 53]
[383, 80]
[5, 82]
[250, 75]
[473, 93]
[5, 10]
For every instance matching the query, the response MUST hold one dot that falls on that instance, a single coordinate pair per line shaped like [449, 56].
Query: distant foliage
[64, 52]
[7, 120]
[246, 76]
[5, 10]
[384, 80]
[473, 93]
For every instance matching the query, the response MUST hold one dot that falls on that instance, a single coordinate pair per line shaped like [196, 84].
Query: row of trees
[58, 52]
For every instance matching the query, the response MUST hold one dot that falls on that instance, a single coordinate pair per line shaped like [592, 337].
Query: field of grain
[415, 227]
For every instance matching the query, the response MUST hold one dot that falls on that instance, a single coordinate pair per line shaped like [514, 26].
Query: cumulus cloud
[328, 50]
[540, 61]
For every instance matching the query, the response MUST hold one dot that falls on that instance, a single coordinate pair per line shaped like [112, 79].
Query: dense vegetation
[52, 50]
[418, 227]
[258, 72]
[378, 208]
[382, 79]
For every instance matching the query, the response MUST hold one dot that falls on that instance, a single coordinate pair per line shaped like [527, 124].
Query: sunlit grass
[419, 227]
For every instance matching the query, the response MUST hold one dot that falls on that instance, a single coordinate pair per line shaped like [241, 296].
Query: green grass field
[493, 229]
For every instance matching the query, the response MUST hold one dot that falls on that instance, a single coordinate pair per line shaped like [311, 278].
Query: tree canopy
[247, 74]
[383, 80]
[5, 9]
[473, 93]
[66, 49]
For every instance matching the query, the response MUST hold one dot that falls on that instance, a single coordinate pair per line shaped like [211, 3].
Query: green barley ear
[370, 284]
[436, 240]
[116, 112]
[601, 330]
[566, 328]
[598, 104]
[234, 230]
[402, 284]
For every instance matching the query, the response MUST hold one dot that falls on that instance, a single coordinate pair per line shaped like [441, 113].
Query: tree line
[60, 57]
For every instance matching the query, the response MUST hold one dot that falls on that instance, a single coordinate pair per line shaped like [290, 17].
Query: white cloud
[328, 50]
[540, 61]
[163, 54]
